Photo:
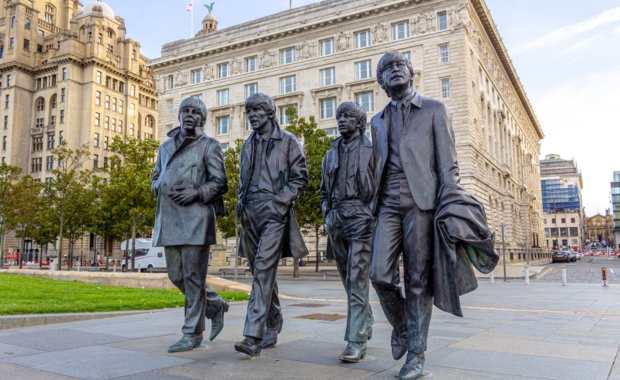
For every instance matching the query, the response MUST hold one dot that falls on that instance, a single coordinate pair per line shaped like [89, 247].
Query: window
[13, 22]
[331, 132]
[443, 53]
[327, 47]
[7, 101]
[113, 126]
[445, 88]
[133, 54]
[251, 89]
[40, 104]
[149, 121]
[222, 125]
[400, 31]
[133, 90]
[26, 45]
[98, 98]
[27, 24]
[287, 56]
[96, 140]
[49, 13]
[224, 146]
[544, 221]
[222, 97]
[199, 96]
[4, 141]
[328, 76]
[553, 220]
[442, 21]
[63, 93]
[105, 163]
[132, 108]
[106, 122]
[95, 161]
[195, 76]
[113, 104]
[49, 163]
[120, 127]
[572, 220]
[107, 102]
[120, 106]
[362, 39]
[105, 143]
[248, 126]
[12, 42]
[51, 140]
[366, 100]
[62, 116]
[283, 118]
[1, 54]
[97, 118]
[363, 70]
[170, 82]
[99, 38]
[36, 164]
[6, 122]
[222, 70]
[562, 220]
[37, 144]
[64, 73]
[8, 81]
[287, 84]
[131, 129]
[328, 108]
[39, 122]
[170, 106]
[250, 64]
[98, 77]
[574, 231]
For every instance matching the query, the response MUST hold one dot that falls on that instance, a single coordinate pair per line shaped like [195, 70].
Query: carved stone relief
[306, 50]
[380, 32]
[180, 78]
[267, 59]
[423, 23]
[159, 84]
[208, 71]
[459, 17]
[343, 41]
[236, 66]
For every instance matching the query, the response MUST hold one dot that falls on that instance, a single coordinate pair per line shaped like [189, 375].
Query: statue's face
[348, 124]
[191, 118]
[257, 116]
[396, 74]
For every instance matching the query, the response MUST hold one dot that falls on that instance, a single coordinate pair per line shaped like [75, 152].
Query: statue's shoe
[399, 344]
[354, 352]
[271, 335]
[217, 322]
[248, 347]
[188, 342]
[413, 368]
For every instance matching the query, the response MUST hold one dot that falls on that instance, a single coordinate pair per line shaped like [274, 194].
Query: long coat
[286, 165]
[365, 179]
[427, 149]
[196, 162]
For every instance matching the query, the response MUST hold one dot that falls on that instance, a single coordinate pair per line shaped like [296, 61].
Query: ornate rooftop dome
[99, 6]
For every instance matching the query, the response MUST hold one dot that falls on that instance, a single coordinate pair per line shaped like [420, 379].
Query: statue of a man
[347, 190]
[273, 174]
[421, 213]
[189, 181]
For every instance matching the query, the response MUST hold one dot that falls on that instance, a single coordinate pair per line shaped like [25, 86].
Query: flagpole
[192, 34]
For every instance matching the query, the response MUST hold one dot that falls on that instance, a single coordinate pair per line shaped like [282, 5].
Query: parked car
[564, 256]
[577, 255]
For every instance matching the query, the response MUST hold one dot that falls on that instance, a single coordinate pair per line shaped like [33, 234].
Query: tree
[110, 217]
[228, 224]
[130, 173]
[9, 176]
[27, 204]
[308, 207]
[68, 193]
[46, 229]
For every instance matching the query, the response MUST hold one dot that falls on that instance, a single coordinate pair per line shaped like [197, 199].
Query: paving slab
[12, 371]
[55, 340]
[10, 351]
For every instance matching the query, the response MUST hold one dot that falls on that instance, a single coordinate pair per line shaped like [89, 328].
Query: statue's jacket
[197, 162]
[286, 165]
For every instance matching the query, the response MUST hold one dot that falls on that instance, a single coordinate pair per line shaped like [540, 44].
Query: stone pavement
[510, 331]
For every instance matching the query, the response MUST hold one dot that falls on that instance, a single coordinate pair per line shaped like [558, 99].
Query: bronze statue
[189, 181]
[347, 190]
[422, 213]
[272, 175]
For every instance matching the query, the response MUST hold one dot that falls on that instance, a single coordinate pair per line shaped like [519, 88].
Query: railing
[36, 131]
[51, 128]
[51, 27]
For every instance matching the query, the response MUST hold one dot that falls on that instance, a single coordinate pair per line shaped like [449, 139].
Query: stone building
[69, 73]
[316, 56]
[564, 216]
[615, 204]
[600, 230]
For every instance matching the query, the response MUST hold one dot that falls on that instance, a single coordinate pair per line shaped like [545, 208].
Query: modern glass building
[559, 196]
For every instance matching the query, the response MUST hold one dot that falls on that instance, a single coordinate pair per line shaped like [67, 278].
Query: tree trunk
[296, 268]
[105, 253]
[316, 247]
[21, 252]
[236, 245]
[62, 225]
[2, 250]
[133, 244]
[69, 256]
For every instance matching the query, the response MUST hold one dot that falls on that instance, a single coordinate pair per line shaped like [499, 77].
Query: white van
[147, 257]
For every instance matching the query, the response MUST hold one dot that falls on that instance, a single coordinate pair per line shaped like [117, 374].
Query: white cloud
[566, 32]
[617, 30]
[583, 43]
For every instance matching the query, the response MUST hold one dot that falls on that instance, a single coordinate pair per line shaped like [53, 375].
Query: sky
[566, 52]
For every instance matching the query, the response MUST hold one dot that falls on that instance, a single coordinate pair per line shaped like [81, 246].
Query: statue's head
[351, 118]
[192, 114]
[260, 110]
[394, 70]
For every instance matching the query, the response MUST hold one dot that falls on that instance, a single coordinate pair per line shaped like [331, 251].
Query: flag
[190, 6]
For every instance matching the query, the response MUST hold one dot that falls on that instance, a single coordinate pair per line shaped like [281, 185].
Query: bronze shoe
[249, 346]
[413, 368]
[399, 344]
[217, 322]
[188, 342]
[271, 335]
[354, 352]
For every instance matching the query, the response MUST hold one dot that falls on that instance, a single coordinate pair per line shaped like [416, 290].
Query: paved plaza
[510, 331]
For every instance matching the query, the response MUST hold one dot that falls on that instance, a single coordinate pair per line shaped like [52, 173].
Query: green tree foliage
[111, 217]
[9, 175]
[27, 205]
[130, 173]
[308, 207]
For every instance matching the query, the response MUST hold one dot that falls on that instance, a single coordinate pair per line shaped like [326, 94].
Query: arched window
[13, 22]
[50, 12]
[40, 104]
[27, 24]
[53, 102]
[149, 122]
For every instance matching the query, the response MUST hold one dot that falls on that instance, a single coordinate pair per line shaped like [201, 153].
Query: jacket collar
[416, 100]
[364, 142]
[172, 134]
[277, 134]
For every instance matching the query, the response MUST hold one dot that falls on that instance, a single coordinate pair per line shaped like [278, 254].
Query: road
[586, 270]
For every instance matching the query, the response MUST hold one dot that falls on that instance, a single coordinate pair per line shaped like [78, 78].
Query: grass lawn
[30, 295]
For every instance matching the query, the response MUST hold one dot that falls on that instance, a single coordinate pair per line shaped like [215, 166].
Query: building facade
[564, 217]
[68, 73]
[615, 206]
[317, 56]
[600, 230]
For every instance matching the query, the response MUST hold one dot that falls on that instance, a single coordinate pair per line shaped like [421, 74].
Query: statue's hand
[184, 196]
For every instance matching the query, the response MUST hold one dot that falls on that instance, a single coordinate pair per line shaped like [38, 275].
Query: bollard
[527, 275]
[114, 267]
[604, 270]
[139, 269]
[563, 275]
[492, 277]
[78, 266]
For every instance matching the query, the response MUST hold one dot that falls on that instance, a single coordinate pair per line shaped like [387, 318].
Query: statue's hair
[265, 102]
[354, 109]
[194, 103]
[387, 59]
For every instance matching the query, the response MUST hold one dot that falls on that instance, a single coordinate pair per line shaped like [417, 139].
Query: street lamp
[527, 248]
[502, 226]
